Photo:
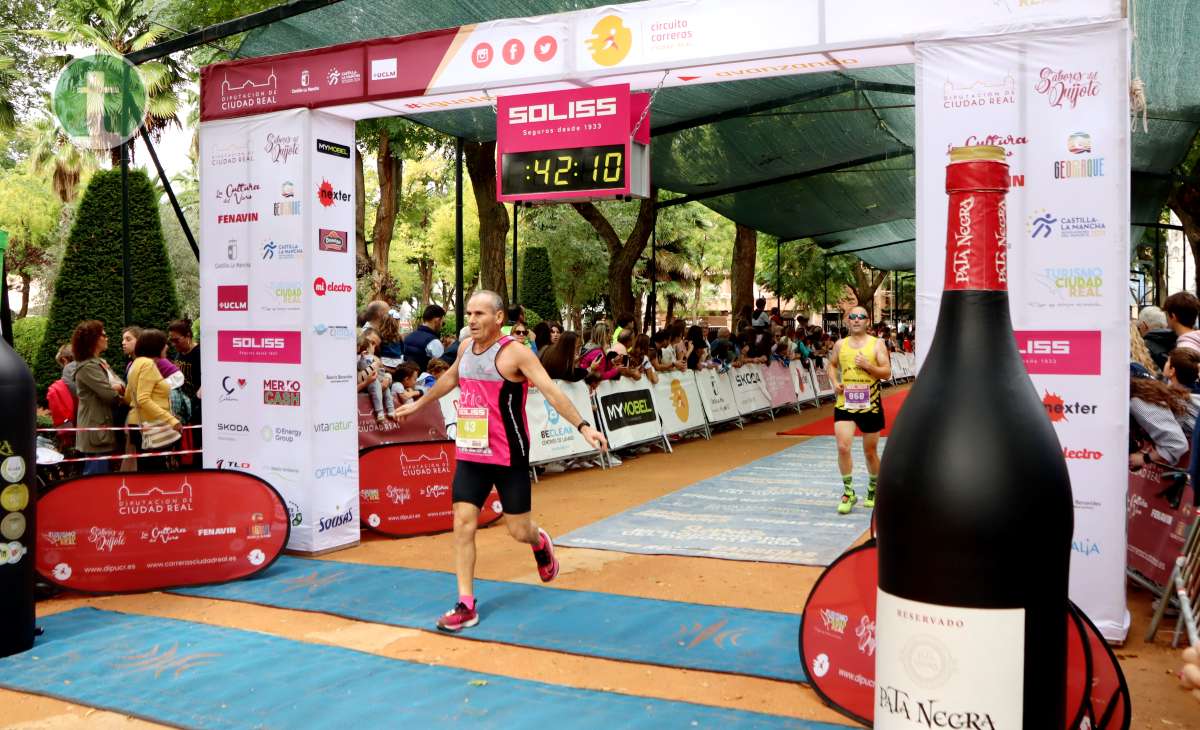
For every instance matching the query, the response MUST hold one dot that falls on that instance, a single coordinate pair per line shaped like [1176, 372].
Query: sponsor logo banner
[233, 298]
[278, 392]
[331, 240]
[336, 149]
[328, 196]
[1060, 352]
[143, 532]
[259, 346]
[586, 117]
[237, 193]
[629, 408]
[253, 87]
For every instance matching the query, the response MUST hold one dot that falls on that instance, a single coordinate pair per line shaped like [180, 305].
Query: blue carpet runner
[781, 508]
[667, 633]
[198, 676]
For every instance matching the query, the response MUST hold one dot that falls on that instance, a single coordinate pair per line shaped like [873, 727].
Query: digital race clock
[577, 144]
[552, 171]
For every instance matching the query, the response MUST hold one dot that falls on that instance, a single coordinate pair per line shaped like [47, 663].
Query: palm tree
[119, 27]
[52, 152]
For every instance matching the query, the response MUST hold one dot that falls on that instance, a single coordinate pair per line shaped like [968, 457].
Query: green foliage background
[89, 284]
[537, 285]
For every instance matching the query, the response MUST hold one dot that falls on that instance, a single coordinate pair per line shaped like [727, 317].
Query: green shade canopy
[825, 155]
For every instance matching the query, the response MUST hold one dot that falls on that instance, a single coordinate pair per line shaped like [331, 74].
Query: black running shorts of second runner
[867, 421]
[473, 482]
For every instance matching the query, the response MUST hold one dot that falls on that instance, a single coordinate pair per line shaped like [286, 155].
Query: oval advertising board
[404, 489]
[113, 533]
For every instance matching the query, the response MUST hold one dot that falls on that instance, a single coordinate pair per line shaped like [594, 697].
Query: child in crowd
[425, 380]
[405, 390]
[371, 379]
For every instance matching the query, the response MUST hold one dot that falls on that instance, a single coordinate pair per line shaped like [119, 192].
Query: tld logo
[1060, 352]
[233, 298]
[321, 287]
[578, 109]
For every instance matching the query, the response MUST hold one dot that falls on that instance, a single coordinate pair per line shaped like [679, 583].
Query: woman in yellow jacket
[149, 397]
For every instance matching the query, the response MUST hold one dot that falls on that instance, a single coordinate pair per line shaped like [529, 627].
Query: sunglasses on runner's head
[856, 316]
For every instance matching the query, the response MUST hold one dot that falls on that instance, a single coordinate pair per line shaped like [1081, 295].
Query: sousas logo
[328, 523]
[579, 109]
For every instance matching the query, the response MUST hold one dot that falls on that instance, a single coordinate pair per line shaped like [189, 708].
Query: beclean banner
[277, 313]
[551, 436]
[1058, 104]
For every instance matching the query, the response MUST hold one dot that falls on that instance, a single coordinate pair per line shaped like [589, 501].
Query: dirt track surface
[563, 502]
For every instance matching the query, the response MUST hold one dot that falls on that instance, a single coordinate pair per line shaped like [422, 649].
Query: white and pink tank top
[491, 410]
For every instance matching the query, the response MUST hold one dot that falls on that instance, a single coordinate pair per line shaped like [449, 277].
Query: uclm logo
[233, 298]
[1060, 352]
[553, 112]
[258, 346]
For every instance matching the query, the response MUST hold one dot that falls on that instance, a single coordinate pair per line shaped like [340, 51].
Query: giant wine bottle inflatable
[974, 515]
[18, 494]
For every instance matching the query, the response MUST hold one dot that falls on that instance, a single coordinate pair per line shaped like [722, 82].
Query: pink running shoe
[459, 618]
[546, 562]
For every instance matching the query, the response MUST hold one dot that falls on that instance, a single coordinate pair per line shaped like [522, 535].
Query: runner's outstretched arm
[444, 384]
[529, 366]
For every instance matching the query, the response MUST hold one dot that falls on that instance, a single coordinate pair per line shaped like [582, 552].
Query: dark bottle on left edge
[18, 501]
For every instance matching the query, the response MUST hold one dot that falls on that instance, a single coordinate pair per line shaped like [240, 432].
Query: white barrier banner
[716, 395]
[627, 412]
[449, 406]
[820, 378]
[277, 313]
[802, 382]
[1058, 103]
[551, 437]
[750, 389]
[678, 401]
[780, 387]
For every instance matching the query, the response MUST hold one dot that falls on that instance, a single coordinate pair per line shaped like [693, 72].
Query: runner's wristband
[582, 424]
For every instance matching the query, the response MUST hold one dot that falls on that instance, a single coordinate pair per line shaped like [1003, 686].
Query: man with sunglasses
[856, 364]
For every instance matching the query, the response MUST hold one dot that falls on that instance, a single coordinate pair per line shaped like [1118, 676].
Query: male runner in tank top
[856, 365]
[493, 443]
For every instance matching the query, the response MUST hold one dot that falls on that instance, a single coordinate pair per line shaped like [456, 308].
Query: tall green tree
[537, 284]
[119, 27]
[90, 284]
[625, 229]
[29, 211]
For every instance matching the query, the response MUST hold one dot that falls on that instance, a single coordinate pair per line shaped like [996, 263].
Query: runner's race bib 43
[472, 428]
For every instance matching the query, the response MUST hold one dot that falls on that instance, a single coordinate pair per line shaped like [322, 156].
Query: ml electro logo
[1060, 352]
[552, 112]
[321, 287]
[258, 346]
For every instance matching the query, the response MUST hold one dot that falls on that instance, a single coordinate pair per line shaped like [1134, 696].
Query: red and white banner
[277, 308]
[144, 532]
[1058, 103]
[672, 42]
[405, 489]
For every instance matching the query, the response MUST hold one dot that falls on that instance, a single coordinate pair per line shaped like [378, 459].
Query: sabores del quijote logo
[1066, 88]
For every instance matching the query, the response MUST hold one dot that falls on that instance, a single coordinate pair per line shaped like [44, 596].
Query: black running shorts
[473, 482]
[867, 421]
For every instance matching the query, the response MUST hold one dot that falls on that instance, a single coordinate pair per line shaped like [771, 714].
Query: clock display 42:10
[581, 168]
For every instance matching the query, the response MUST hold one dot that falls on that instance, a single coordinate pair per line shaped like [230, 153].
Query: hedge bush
[89, 284]
[537, 286]
[27, 337]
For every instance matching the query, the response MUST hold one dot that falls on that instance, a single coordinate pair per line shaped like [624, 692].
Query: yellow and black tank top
[861, 389]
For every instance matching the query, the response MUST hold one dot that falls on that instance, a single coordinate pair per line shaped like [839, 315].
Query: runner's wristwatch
[582, 424]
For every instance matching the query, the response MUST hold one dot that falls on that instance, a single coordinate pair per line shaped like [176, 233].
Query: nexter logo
[578, 109]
